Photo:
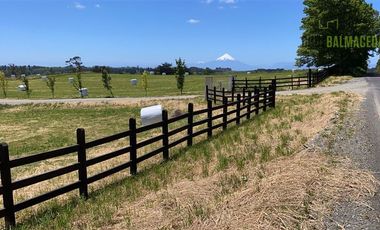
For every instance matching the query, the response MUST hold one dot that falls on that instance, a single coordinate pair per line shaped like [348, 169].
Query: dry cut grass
[291, 191]
[294, 192]
[335, 80]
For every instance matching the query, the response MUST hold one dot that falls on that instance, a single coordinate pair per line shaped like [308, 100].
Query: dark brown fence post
[165, 138]
[214, 95]
[6, 182]
[82, 172]
[265, 99]
[133, 143]
[190, 110]
[206, 95]
[249, 104]
[243, 96]
[273, 90]
[309, 79]
[246, 83]
[223, 93]
[233, 84]
[238, 109]
[209, 119]
[225, 110]
[257, 100]
[260, 82]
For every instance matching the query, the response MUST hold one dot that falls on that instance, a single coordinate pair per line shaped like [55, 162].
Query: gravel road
[358, 139]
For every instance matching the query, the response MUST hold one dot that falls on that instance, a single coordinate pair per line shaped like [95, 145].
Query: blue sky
[261, 33]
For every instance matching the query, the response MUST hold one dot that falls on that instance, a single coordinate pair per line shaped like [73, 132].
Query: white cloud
[207, 1]
[193, 21]
[79, 6]
[228, 1]
[97, 5]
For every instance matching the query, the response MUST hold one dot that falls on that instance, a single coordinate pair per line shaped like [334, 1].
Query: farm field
[37, 128]
[157, 85]
[212, 166]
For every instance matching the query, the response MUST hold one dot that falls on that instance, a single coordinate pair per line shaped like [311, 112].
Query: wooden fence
[311, 79]
[243, 107]
[216, 95]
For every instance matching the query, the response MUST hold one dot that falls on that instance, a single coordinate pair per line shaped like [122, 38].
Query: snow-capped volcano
[226, 61]
[225, 57]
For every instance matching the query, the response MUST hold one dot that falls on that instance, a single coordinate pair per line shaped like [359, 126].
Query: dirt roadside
[357, 137]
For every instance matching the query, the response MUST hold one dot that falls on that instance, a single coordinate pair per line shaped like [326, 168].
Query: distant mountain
[226, 61]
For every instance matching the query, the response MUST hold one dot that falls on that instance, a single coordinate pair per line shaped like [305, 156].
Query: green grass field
[157, 85]
[36, 128]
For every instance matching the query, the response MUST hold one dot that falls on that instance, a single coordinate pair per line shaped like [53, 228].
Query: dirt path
[356, 85]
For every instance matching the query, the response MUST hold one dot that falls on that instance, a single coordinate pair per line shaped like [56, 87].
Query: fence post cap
[132, 120]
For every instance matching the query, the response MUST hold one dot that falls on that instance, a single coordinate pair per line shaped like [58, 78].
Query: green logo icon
[329, 24]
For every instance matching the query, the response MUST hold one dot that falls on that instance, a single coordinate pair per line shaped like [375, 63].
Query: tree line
[164, 68]
[75, 65]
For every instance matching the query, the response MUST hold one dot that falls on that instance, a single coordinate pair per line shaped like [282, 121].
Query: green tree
[324, 18]
[180, 73]
[145, 82]
[25, 81]
[50, 83]
[165, 68]
[76, 64]
[378, 66]
[106, 79]
[3, 83]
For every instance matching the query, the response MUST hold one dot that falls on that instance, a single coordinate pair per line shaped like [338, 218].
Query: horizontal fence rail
[233, 109]
[242, 86]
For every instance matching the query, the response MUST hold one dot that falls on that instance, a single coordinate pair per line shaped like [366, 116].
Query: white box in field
[134, 82]
[44, 78]
[151, 115]
[71, 80]
[83, 92]
[21, 87]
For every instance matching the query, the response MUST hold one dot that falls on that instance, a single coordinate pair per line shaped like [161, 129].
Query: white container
[13, 76]
[187, 74]
[151, 73]
[71, 80]
[134, 82]
[163, 74]
[38, 75]
[23, 75]
[83, 92]
[44, 78]
[21, 87]
[151, 115]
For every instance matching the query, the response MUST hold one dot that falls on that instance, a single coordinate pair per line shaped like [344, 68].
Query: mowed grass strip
[222, 162]
[121, 83]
